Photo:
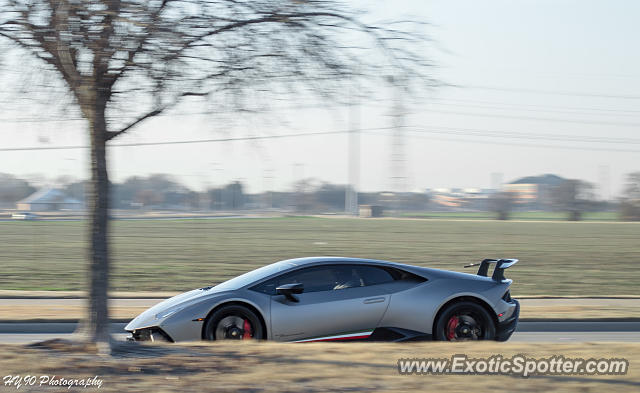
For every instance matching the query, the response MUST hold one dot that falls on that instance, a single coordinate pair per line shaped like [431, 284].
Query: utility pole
[398, 151]
[496, 181]
[605, 182]
[267, 185]
[353, 159]
[298, 176]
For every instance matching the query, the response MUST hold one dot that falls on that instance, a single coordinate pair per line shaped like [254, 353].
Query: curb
[526, 320]
[523, 327]
[65, 321]
[9, 294]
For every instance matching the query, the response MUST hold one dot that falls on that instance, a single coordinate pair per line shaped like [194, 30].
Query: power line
[532, 136]
[431, 129]
[545, 146]
[491, 105]
[585, 111]
[550, 119]
[560, 93]
[72, 119]
[248, 138]
[577, 108]
[548, 73]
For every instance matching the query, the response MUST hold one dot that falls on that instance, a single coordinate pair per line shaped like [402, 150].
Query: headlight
[170, 311]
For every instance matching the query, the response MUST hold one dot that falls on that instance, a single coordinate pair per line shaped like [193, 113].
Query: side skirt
[398, 335]
[359, 335]
[378, 334]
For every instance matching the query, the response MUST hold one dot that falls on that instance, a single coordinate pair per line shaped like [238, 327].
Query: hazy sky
[546, 86]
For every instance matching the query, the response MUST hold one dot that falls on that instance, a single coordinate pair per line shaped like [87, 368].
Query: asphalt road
[561, 332]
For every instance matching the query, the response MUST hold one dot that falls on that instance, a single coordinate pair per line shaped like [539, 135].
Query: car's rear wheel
[463, 321]
[233, 322]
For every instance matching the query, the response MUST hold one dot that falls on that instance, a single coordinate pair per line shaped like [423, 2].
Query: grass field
[556, 258]
[527, 216]
[322, 367]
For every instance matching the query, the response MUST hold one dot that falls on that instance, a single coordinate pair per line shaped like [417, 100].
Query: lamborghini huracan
[346, 299]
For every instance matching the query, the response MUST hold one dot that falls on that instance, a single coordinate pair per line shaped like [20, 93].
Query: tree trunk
[575, 215]
[95, 327]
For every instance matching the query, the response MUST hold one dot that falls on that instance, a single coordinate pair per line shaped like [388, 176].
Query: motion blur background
[527, 147]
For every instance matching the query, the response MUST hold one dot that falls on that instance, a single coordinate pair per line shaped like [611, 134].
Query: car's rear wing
[498, 271]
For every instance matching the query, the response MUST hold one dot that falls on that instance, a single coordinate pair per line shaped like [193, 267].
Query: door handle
[374, 300]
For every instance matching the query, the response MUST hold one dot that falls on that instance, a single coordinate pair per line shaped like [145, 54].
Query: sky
[532, 87]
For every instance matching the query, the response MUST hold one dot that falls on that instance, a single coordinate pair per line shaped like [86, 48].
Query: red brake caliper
[451, 328]
[246, 326]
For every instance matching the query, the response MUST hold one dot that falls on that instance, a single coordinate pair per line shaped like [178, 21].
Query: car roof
[332, 259]
[287, 265]
[419, 270]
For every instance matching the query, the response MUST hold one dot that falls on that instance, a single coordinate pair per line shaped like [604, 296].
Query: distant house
[444, 200]
[369, 211]
[534, 191]
[468, 199]
[48, 199]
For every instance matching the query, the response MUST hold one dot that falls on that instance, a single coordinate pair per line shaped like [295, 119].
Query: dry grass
[258, 367]
[580, 312]
[57, 312]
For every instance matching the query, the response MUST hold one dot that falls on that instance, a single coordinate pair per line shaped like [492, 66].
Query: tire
[228, 322]
[464, 321]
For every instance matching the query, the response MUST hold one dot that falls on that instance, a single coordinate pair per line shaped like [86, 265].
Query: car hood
[148, 318]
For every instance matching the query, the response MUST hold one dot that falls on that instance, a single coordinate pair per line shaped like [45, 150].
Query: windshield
[253, 276]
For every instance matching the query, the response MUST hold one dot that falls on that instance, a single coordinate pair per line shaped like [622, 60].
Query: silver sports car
[331, 298]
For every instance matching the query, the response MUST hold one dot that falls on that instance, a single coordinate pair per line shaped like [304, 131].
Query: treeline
[162, 191]
[630, 203]
[13, 189]
[575, 197]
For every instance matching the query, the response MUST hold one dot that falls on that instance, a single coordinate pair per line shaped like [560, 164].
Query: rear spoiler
[498, 271]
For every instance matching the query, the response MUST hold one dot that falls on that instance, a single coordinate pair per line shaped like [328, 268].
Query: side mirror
[289, 291]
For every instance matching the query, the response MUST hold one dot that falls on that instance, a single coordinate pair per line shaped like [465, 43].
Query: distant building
[534, 191]
[48, 199]
[370, 211]
[459, 198]
[444, 200]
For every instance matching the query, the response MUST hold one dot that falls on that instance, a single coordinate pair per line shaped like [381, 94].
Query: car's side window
[325, 278]
[314, 279]
[329, 278]
[373, 275]
[347, 276]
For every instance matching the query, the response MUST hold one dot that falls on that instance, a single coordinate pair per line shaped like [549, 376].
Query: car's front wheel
[464, 321]
[233, 322]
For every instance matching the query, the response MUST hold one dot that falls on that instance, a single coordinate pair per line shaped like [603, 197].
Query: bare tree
[630, 204]
[126, 61]
[13, 189]
[573, 196]
[501, 203]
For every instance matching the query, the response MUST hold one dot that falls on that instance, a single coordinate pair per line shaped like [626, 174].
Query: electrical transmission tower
[353, 155]
[351, 190]
[398, 148]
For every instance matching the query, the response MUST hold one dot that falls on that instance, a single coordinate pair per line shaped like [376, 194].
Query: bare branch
[155, 112]
[155, 52]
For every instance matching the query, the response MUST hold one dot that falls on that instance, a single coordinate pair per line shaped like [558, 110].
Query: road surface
[560, 332]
